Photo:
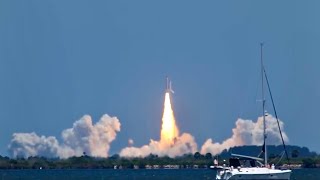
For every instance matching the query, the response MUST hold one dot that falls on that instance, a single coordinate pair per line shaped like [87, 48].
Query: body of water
[299, 174]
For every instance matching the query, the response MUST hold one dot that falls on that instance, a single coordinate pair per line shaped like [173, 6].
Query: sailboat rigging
[238, 171]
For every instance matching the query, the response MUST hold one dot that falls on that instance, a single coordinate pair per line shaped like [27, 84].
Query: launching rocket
[169, 85]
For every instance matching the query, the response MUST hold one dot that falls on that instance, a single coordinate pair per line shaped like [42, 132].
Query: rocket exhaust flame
[169, 130]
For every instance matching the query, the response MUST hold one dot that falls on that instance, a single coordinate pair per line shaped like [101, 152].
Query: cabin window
[234, 162]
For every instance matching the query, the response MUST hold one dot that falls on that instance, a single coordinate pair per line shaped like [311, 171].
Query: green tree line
[196, 160]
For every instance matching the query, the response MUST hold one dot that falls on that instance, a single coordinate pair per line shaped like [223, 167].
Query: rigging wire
[275, 113]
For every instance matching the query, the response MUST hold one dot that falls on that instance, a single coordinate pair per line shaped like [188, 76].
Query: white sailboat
[247, 167]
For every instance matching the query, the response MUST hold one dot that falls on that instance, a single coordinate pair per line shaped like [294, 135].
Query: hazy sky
[60, 60]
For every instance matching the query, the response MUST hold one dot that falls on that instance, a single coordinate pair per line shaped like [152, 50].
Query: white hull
[278, 176]
[253, 174]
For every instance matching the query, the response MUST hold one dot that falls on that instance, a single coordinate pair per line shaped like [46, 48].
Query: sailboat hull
[282, 176]
[258, 174]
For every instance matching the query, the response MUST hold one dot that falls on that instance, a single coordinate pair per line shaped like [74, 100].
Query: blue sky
[60, 60]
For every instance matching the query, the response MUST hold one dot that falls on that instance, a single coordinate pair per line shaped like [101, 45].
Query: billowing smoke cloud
[248, 132]
[84, 136]
[183, 144]
[30, 144]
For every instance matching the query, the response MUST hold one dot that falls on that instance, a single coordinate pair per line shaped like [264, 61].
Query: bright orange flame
[169, 130]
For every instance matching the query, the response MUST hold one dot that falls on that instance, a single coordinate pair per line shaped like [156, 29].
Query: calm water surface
[300, 174]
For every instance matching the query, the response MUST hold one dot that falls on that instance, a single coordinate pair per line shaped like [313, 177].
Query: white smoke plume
[248, 132]
[30, 144]
[183, 144]
[84, 136]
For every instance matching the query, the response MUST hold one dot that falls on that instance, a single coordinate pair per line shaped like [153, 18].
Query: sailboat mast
[263, 110]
